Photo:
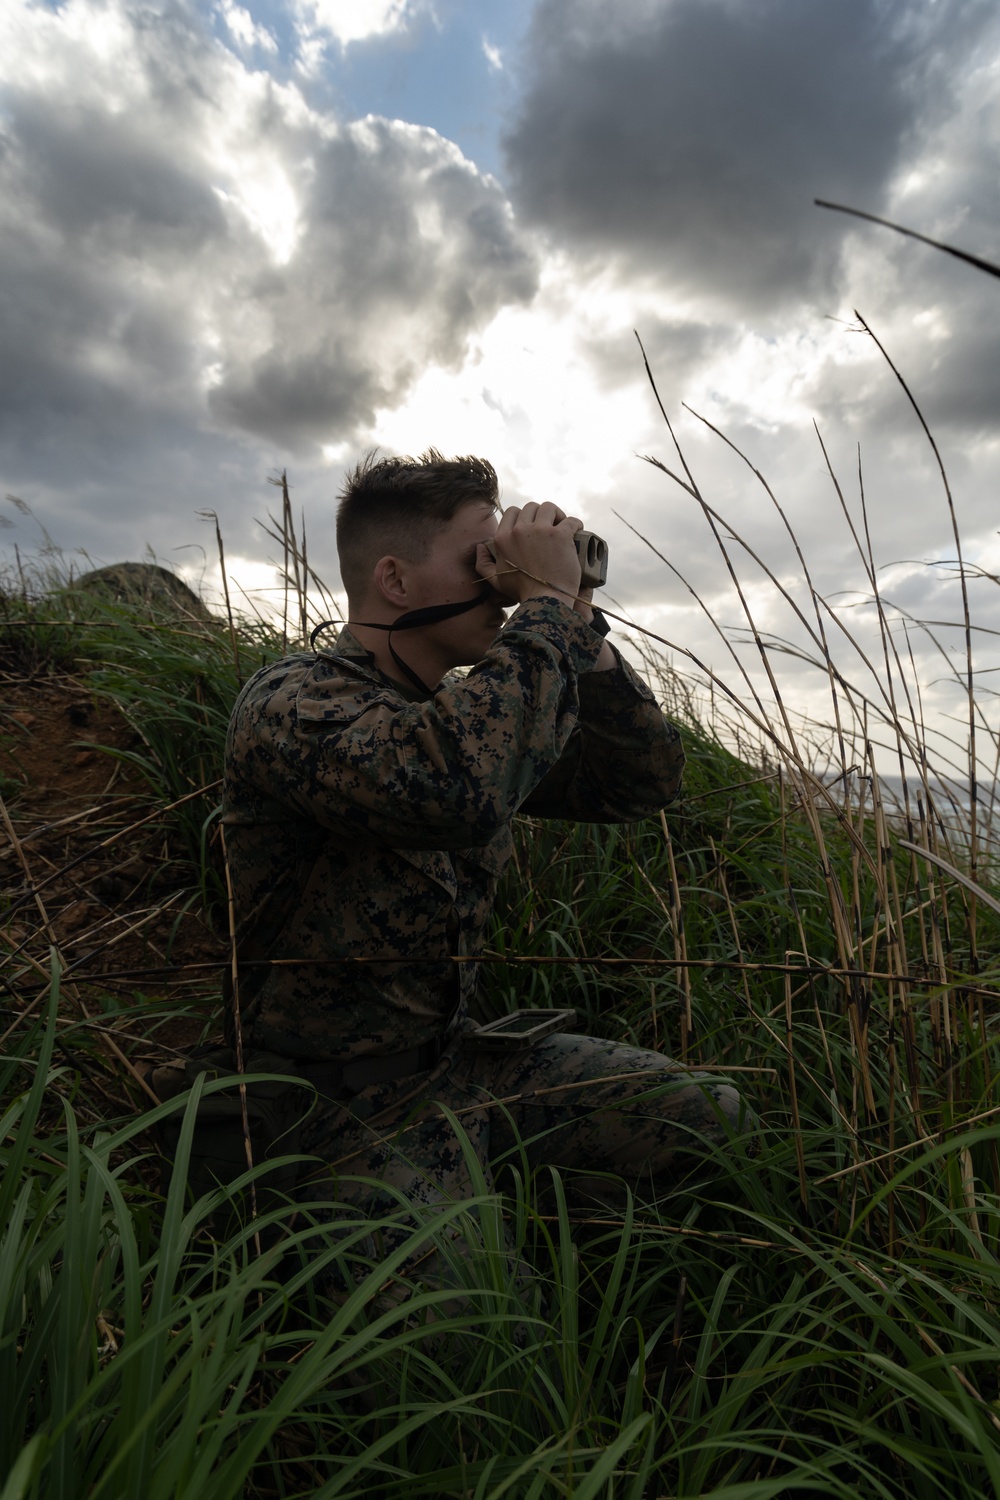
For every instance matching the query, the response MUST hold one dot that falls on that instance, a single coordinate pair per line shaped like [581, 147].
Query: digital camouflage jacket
[363, 823]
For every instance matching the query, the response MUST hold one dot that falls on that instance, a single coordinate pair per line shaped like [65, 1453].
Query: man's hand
[584, 604]
[607, 660]
[536, 554]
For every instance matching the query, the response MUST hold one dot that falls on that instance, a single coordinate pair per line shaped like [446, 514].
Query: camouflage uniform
[363, 821]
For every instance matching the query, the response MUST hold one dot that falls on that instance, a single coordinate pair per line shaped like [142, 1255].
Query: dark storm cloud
[689, 138]
[106, 181]
[97, 209]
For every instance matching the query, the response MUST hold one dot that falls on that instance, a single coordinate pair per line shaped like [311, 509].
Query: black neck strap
[430, 614]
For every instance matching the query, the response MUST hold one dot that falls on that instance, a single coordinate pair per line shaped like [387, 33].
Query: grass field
[821, 1317]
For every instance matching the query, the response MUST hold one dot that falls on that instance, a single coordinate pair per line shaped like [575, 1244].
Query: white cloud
[244, 29]
[353, 20]
[493, 55]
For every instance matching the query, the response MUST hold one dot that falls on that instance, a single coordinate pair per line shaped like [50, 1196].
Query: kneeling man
[367, 810]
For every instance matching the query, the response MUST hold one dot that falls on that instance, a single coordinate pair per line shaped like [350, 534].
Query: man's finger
[511, 516]
[486, 566]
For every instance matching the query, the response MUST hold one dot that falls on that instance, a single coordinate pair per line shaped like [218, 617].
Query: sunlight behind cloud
[244, 29]
[267, 199]
[766, 381]
[256, 588]
[527, 397]
[354, 20]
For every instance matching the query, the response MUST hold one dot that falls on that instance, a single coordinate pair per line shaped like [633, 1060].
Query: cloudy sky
[237, 239]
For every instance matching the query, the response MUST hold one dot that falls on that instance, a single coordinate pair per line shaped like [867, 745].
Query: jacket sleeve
[328, 741]
[623, 760]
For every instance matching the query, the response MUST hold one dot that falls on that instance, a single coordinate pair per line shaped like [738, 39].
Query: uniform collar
[348, 645]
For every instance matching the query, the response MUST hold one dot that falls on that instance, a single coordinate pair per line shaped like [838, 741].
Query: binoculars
[593, 554]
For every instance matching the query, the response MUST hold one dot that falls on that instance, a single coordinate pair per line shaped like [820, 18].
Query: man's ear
[389, 581]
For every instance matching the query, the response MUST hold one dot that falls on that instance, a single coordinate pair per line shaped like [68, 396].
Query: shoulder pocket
[334, 693]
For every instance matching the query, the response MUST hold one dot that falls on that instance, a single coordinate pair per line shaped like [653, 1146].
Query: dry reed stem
[797, 768]
[107, 1043]
[673, 1352]
[884, 871]
[210, 515]
[22, 860]
[969, 1199]
[27, 1011]
[794, 1099]
[943, 864]
[820, 636]
[112, 838]
[733, 925]
[809, 971]
[142, 920]
[988, 266]
[680, 938]
[934, 1138]
[234, 971]
[973, 776]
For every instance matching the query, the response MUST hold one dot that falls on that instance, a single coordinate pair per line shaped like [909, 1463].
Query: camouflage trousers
[606, 1115]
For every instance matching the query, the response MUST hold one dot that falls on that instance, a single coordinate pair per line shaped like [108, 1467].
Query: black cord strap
[430, 614]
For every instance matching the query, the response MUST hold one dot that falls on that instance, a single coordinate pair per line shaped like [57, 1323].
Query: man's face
[447, 575]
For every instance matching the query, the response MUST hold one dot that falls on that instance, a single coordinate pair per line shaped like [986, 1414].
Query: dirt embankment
[87, 868]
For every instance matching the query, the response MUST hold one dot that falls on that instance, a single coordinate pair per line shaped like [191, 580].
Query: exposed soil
[86, 867]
